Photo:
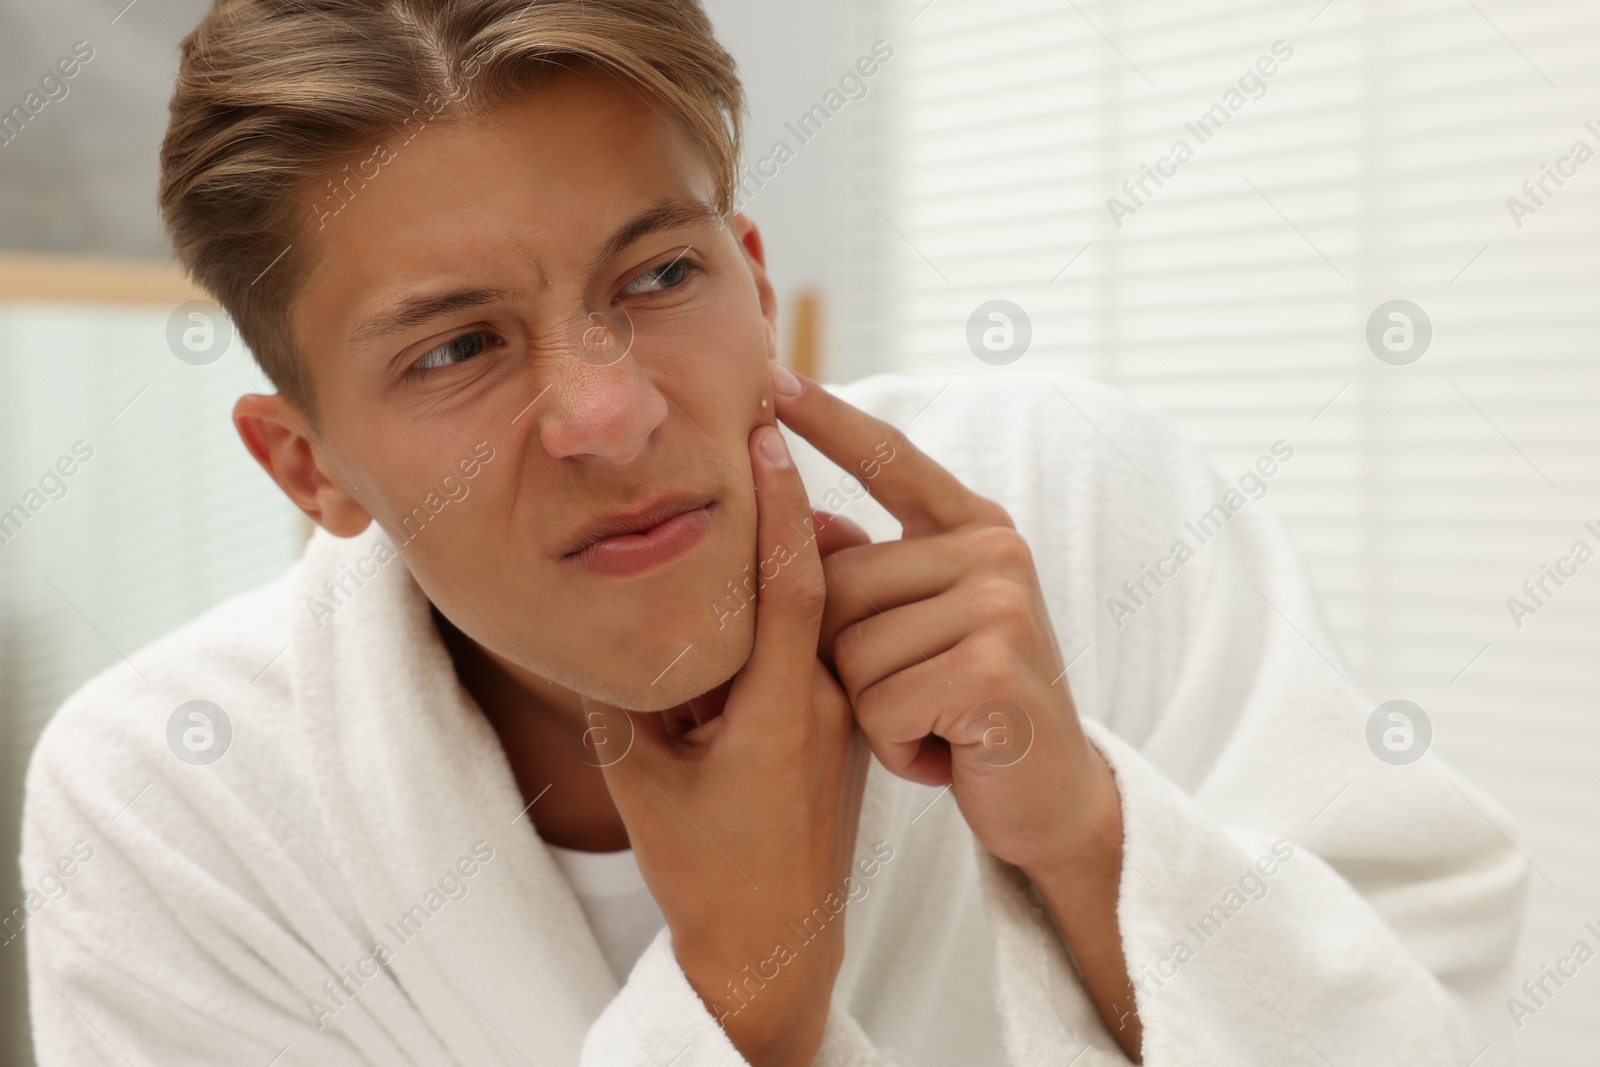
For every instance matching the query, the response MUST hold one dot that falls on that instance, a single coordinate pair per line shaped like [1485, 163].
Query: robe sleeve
[193, 931]
[1292, 889]
[148, 956]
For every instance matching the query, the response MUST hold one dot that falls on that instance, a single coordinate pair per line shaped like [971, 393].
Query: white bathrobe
[1287, 897]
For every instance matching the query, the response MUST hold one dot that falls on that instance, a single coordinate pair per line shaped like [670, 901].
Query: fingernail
[784, 383]
[773, 448]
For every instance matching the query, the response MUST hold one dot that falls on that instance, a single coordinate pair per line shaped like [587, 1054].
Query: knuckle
[986, 661]
[808, 594]
[994, 514]
[1003, 546]
[1013, 548]
[897, 440]
[998, 600]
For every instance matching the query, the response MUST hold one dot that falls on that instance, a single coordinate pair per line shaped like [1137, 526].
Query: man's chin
[692, 676]
[663, 697]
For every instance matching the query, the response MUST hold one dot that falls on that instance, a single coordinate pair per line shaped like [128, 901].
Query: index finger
[910, 484]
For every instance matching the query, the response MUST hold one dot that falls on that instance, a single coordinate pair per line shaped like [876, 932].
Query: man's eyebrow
[667, 215]
[415, 310]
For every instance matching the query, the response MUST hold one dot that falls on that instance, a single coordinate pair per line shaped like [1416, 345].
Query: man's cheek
[733, 581]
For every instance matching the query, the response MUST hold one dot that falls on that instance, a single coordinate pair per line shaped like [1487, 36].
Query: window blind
[1383, 158]
[163, 515]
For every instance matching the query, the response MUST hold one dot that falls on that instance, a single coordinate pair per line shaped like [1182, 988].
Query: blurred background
[1377, 242]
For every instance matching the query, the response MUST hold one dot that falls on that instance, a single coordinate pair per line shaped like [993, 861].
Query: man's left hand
[943, 643]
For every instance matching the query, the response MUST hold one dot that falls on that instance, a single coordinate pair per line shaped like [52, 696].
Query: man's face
[465, 334]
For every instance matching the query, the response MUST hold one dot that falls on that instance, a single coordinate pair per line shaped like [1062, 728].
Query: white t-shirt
[612, 893]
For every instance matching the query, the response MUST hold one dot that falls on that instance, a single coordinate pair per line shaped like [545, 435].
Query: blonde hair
[272, 95]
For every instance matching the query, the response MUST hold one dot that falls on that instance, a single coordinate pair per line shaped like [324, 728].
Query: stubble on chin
[705, 662]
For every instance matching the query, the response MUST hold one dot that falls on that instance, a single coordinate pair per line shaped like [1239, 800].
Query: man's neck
[541, 727]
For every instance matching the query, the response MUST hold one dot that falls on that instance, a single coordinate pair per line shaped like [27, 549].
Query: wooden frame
[805, 335]
[93, 280]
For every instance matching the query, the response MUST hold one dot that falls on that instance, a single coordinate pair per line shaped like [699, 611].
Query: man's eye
[456, 350]
[659, 279]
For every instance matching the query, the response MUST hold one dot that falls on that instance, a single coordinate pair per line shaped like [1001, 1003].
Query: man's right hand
[744, 826]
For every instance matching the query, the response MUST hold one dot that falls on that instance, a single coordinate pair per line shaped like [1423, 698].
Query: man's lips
[628, 543]
[635, 521]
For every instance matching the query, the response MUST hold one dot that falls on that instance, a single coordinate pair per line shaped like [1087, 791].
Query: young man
[577, 736]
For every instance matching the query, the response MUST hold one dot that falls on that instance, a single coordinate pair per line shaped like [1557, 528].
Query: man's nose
[607, 411]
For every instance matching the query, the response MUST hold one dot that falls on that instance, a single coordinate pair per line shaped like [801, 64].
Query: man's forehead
[495, 191]
[571, 157]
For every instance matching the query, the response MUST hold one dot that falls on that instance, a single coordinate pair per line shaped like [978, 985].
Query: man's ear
[275, 433]
[744, 229]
